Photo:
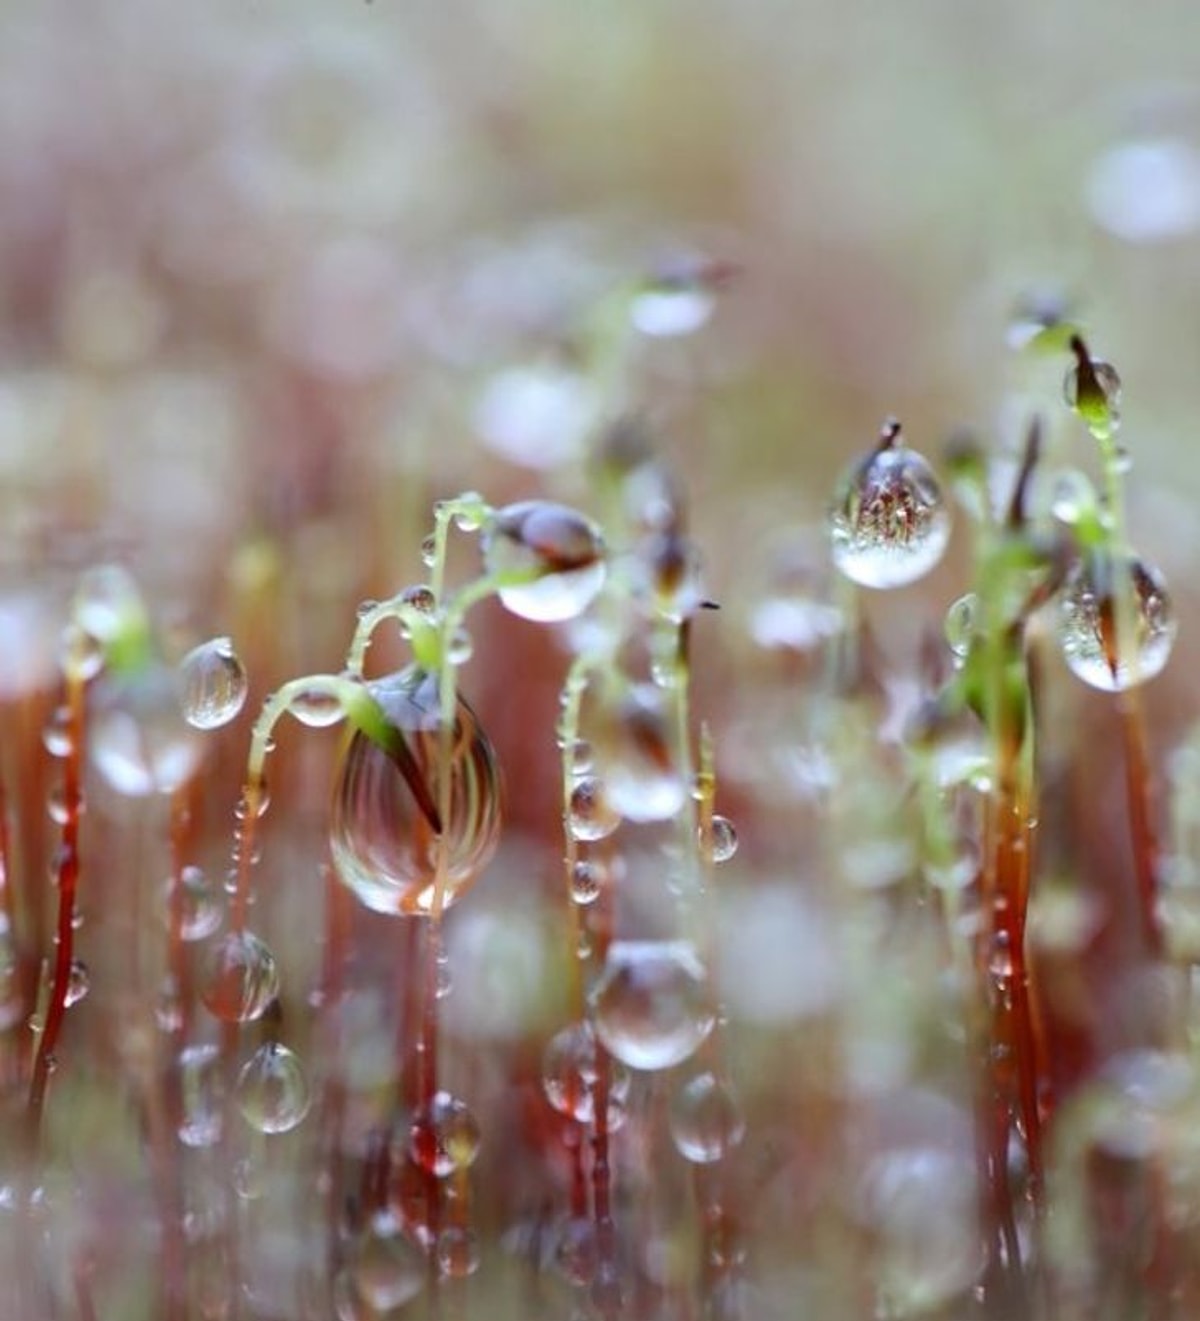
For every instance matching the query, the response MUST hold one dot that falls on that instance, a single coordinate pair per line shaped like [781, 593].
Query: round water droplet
[316, 708]
[108, 603]
[582, 757]
[1101, 412]
[383, 844]
[242, 979]
[669, 310]
[140, 742]
[706, 1120]
[591, 816]
[635, 757]
[202, 1096]
[587, 881]
[272, 1092]
[78, 982]
[471, 511]
[56, 736]
[724, 839]
[536, 415]
[429, 551]
[554, 556]
[214, 684]
[570, 1069]
[889, 524]
[1073, 497]
[444, 1136]
[420, 598]
[460, 648]
[57, 808]
[960, 624]
[652, 1005]
[200, 904]
[458, 1251]
[387, 1269]
[1089, 622]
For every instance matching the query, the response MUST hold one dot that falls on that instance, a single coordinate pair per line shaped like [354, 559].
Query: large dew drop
[214, 684]
[554, 555]
[384, 846]
[1090, 630]
[636, 759]
[272, 1092]
[889, 524]
[570, 1071]
[706, 1120]
[652, 1005]
[242, 978]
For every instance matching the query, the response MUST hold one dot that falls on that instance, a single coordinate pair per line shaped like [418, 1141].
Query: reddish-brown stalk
[606, 1289]
[1139, 797]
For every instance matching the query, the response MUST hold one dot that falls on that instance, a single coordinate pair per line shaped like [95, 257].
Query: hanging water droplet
[316, 708]
[635, 755]
[889, 524]
[272, 1092]
[214, 684]
[582, 757]
[470, 512]
[429, 551]
[591, 815]
[587, 881]
[388, 1269]
[960, 624]
[537, 415]
[420, 598]
[1073, 497]
[78, 982]
[552, 554]
[706, 1120]
[383, 845]
[108, 603]
[457, 1251]
[199, 904]
[1090, 622]
[460, 648]
[57, 807]
[570, 1069]
[444, 979]
[140, 742]
[444, 1136]
[1099, 405]
[652, 1005]
[56, 736]
[242, 978]
[202, 1096]
[724, 839]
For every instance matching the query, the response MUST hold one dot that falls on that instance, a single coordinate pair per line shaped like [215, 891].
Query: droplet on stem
[272, 1092]
[570, 1069]
[444, 1136]
[554, 554]
[634, 751]
[706, 1121]
[214, 684]
[242, 978]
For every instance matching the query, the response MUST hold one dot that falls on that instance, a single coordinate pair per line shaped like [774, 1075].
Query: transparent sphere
[140, 742]
[202, 1096]
[1088, 624]
[272, 1091]
[651, 1004]
[383, 845]
[889, 524]
[636, 759]
[198, 904]
[242, 978]
[706, 1121]
[444, 1136]
[214, 684]
[570, 1071]
[557, 550]
[591, 815]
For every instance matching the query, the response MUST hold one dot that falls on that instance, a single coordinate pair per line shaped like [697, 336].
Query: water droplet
[168, 1006]
[248, 1180]
[471, 511]
[444, 1136]
[553, 554]
[591, 816]
[429, 551]
[1073, 497]
[587, 880]
[794, 623]
[538, 416]
[1146, 190]
[272, 1092]
[108, 603]
[652, 1004]
[316, 708]
[420, 598]
[570, 1069]
[1089, 619]
[140, 742]
[960, 624]
[1101, 414]
[57, 808]
[78, 983]
[383, 846]
[458, 1251]
[460, 648]
[56, 736]
[582, 757]
[706, 1121]
[366, 607]
[667, 310]
[724, 839]
[1001, 963]
[214, 684]
[242, 978]
[200, 904]
[388, 1269]
[576, 1253]
[641, 780]
[889, 524]
[202, 1096]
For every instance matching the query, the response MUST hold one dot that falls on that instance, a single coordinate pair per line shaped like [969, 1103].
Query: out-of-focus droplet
[79, 982]
[140, 742]
[591, 815]
[457, 1252]
[272, 1091]
[724, 839]
[551, 556]
[199, 904]
[669, 311]
[1100, 405]
[706, 1120]
[576, 1253]
[889, 523]
[536, 416]
[636, 759]
[571, 1067]
[1089, 626]
[56, 736]
[316, 708]
[960, 624]
[108, 602]
[387, 1269]
[587, 881]
[241, 980]
[444, 1136]
[460, 648]
[214, 684]
[202, 1096]
[652, 1003]
[1146, 191]
[794, 623]
[383, 845]
[429, 551]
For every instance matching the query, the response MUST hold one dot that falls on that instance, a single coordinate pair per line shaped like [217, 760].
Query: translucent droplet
[1073, 497]
[889, 524]
[457, 1251]
[429, 551]
[200, 904]
[388, 1269]
[214, 684]
[420, 598]
[667, 311]
[57, 807]
[272, 1091]
[553, 556]
[1100, 411]
[724, 839]
[78, 982]
[470, 512]
[202, 1096]
[1090, 622]
[383, 845]
[652, 1005]
[364, 608]
[706, 1120]
[140, 742]
[316, 708]
[168, 1006]
[56, 736]
[537, 415]
[570, 1069]
[582, 757]
[636, 758]
[794, 623]
[960, 624]
[591, 815]
[444, 1136]
[1146, 190]
[460, 648]
[242, 979]
[108, 603]
[587, 881]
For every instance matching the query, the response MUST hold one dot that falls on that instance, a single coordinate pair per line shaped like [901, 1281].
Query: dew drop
[582, 757]
[457, 1251]
[724, 839]
[591, 815]
[460, 648]
[429, 551]
[202, 1096]
[652, 1004]
[670, 310]
[200, 905]
[587, 881]
[366, 607]
[570, 1069]
[470, 512]
[960, 624]
[272, 1092]
[242, 978]
[576, 1253]
[168, 1006]
[1073, 497]
[554, 554]
[420, 598]
[214, 684]
[140, 742]
[316, 708]
[444, 1136]
[57, 808]
[78, 982]
[388, 1269]
[635, 756]
[56, 736]
[889, 524]
[1088, 623]
[536, 415]
[383, 845]
[108, 603]
[706, 1121]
